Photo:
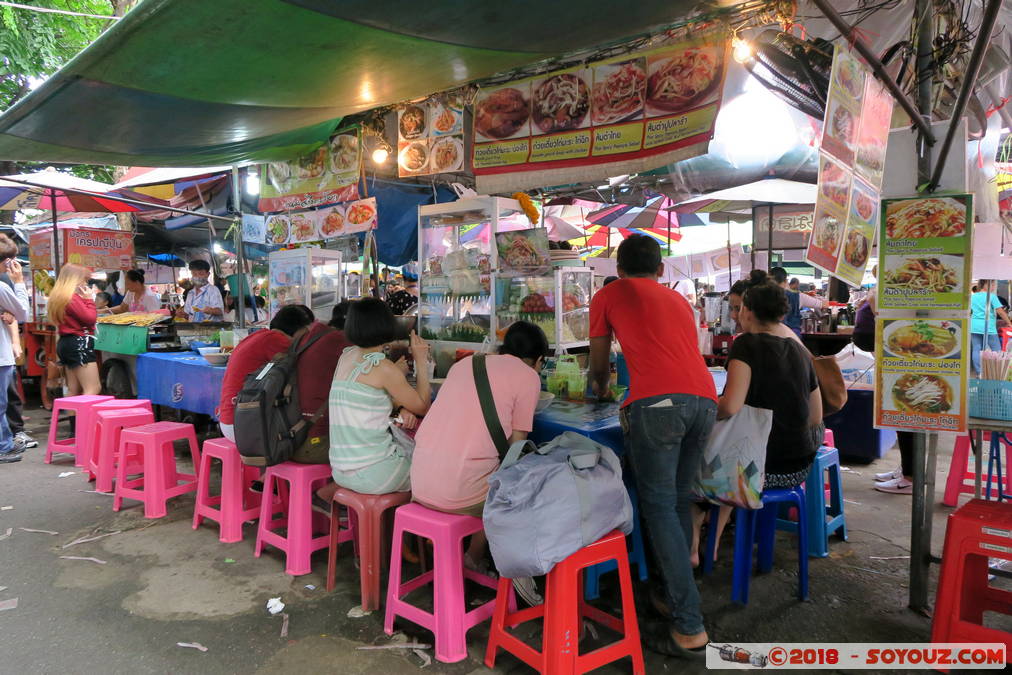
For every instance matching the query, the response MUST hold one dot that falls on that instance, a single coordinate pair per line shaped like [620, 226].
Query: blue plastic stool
[759, 526]
[638, 555]
[824, 519]
[994, 465]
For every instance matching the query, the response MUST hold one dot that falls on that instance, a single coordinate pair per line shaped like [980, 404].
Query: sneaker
[528, 591]
[28, 440]
[897, 486]
[889, 475]
[12, 456]
[18, 444]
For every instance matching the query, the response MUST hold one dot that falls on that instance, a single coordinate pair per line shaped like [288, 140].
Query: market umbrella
[61, 192]
[744, 197]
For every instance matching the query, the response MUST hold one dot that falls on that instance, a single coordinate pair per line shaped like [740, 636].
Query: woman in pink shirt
[454, 453]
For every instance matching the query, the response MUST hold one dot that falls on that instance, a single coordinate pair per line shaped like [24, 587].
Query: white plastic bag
[733, 468]
[857, 366]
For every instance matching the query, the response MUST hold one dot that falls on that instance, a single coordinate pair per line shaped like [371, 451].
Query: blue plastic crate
[990, 399]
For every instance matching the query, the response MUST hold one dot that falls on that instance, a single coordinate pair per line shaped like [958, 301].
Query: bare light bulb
[741, 50]
[380, 155]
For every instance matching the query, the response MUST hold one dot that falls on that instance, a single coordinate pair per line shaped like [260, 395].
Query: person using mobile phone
[15, 301]
[72, 310]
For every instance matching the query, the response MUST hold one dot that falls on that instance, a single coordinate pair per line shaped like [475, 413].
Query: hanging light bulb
[380, 155]
[741, 50]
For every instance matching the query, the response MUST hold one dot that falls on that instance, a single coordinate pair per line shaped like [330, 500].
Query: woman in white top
[138, 297]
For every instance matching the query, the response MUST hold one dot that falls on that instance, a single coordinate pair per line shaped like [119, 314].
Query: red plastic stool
[107, 467]
[828, 439]
[237, 503]
[977, 531]
[450, 619]
[148, 450]
[365, 527]
[300, 520]
[961, 476]
[109, 426]
[563, 611]
[79, 404]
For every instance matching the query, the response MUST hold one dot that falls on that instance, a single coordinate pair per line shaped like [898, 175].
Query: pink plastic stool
[79, 404]
[148, 450]
[451, 619]
[236, 504]
[300, 520]
[109, 428]
[90, 417]
[961, 475]
[365, 527]
[828, 439]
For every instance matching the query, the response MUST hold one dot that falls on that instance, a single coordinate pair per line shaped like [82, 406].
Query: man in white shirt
[204, 302]
[16, 302]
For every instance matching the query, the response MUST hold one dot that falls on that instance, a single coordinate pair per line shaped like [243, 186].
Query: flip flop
[658, 638]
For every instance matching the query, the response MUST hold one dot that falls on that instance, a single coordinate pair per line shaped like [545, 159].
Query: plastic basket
[990, 399]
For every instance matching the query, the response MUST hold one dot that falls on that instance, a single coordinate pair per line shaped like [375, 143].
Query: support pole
[880, 72]
[240, 257]
[56, 232]
[969, 80]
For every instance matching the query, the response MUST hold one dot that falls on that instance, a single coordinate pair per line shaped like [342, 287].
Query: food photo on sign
[619, 92]
[561, 102]
[430, 137]
[326, 175]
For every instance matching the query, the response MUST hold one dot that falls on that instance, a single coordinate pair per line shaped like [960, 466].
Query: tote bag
[732, 470]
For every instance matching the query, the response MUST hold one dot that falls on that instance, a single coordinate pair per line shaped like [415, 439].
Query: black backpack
[269, 426]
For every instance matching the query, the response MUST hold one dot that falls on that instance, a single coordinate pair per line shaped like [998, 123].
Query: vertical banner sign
[923, 347]
[852, 157]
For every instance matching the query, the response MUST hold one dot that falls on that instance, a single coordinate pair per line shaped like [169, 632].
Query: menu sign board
[326, 223]
[327, 175]
[40, 249]
[920, 371]
[792, 226]
[628, 107]
[430, 136]
[854, 138]
[925, 253]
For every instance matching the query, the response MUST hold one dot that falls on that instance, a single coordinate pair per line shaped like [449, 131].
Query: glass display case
[558, 302]
[458, 258]
[484, 266]
[313, 277]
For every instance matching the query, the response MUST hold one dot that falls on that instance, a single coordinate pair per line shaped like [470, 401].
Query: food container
[216, 358]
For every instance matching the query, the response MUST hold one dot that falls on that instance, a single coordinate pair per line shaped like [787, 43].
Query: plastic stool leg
[448, 601]
[335, 516]
[203, 490]
[744, 538]
[394, 582]
[370, 526]
[266, 511]
[765, 525]
[815, 507]
[562, 621]
[231, 499]
[957, 470]
[630, 625]
[300, 529]
[802, 546]
[154, 478]
[836, 502]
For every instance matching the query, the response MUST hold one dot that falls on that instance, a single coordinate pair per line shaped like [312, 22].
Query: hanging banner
[843, 107]
[641, 106]
[430, 136]
[327, 175]
[792, 226]
[327, 223]
[921, 374]
[925, 253]
[40, 249]
[96, 248]
[830, 215]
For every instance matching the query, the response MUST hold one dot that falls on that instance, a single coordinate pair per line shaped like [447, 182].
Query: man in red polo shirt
[667, 418]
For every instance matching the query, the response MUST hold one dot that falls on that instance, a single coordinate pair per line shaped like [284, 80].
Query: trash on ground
[28, 529]
[77, 557]
[7, 533]
[889, 557]
[2, 589]
[192, 645]
[66, 473]
[274, 605]
[310, 587]
[357, 612]
[284, 624]
[6, 508]
[851, 501]
[85, 540]
[8, 604]
[96, 492]
[406, 645]
[230, 560]
[426, 659]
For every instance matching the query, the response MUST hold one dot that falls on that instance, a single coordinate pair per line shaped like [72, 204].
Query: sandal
[658, 638]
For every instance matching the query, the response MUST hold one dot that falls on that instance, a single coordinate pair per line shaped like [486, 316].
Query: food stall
[311, 276]
[483, 266]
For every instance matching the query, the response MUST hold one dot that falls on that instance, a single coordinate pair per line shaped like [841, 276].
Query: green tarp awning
[201, 82]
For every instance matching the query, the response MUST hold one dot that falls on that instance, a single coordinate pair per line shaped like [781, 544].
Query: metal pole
[923, 74]
[117, 198]
[769, 237]
[969, 79]
[880, 72]
[56, 232]
[240, 256]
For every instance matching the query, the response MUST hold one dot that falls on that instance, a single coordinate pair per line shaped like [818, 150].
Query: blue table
[182, 380]
[598, 421]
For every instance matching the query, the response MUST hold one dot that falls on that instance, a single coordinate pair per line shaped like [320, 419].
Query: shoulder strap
[302, 344]
[488, 410]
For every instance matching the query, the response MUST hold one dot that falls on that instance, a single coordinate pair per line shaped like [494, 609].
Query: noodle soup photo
[924, 393]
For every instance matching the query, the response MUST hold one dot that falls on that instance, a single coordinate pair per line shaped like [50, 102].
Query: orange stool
[977, 531]
[148, 450]
[365, 527]
[563, 611]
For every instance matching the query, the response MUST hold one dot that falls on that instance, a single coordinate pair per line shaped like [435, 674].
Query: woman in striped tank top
[367, 453]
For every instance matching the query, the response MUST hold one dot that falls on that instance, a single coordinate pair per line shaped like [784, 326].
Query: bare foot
[690, 641]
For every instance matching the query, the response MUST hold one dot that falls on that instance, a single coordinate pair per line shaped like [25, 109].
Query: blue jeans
[665, 438]
[6, 437]
[977, 346]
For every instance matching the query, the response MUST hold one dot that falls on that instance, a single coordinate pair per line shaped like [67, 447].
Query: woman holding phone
[72, 311]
